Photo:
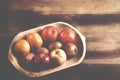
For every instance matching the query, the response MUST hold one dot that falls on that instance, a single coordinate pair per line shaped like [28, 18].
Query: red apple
[49, 33]
[71, 49]
[67, 35]
[42, 58]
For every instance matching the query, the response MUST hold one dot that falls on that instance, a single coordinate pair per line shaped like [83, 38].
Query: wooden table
[102, 33]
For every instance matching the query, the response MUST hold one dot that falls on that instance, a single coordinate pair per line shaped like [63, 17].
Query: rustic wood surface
[67, 6]
[98, 21]
[64, 7]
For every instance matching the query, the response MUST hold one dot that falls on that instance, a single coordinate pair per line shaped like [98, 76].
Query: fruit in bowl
[71, 49]
[55, 45]
[34, 39]
[67, 35]
[59, 55]
[49, 33]
[22, 46]
[29, 57]
[59, 42]
[42, 58]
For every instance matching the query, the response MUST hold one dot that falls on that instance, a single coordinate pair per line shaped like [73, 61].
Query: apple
[42, 58]
[42, 49]
[34, 39]
[29, 57]
[22, 46]
[49, 33]
[58, 55]
[67, 35]
[71, 49]
[55, 45]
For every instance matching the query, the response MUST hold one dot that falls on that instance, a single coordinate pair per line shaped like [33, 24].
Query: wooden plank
[66, 6]
[103, 43]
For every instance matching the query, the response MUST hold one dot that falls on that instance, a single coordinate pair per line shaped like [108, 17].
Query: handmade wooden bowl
[69, 63]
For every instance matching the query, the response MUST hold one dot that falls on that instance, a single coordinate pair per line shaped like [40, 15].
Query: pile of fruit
[47, 46]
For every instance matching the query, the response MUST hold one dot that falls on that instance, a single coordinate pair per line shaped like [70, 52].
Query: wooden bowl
[69, 63]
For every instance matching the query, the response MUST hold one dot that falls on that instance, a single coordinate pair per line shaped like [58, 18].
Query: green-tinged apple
[59, 55]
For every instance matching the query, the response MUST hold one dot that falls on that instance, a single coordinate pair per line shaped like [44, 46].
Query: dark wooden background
[97, 20]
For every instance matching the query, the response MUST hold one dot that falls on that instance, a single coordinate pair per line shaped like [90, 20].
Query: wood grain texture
[66, 6]
[98, 20]
[101, 31]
